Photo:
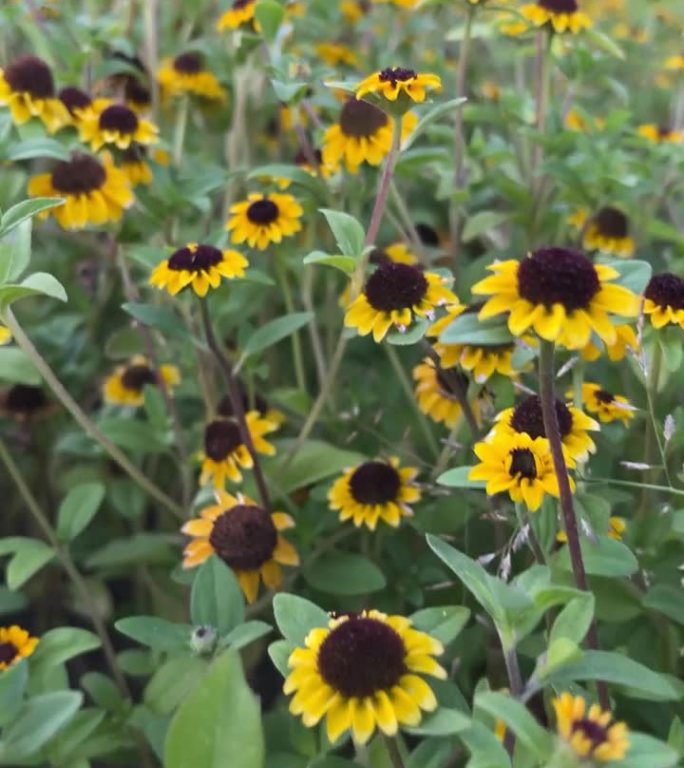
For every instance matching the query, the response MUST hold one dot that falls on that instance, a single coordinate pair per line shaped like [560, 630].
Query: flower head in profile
[660, 134]
[225, 452]
[199, 266]
[560, 294]
[15, 644]
[436, 392]
[391, 82]
[246, 537]
[137, 95]
[560, 15]
[187, 74]
[591, 732]
[94, 191]
[519, 465]
[241, 12]
[607, 230]
[263, 219]
[27, 88]
[606, 405]
[126, 385]
[115, 125]
[664, 300]
[77, 101]
[375, 490]
[394, 295]
[361, 672]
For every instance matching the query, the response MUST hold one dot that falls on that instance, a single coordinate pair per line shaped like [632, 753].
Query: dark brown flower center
[202, 258]
[604, 397]
[118, 117]
[29, 74]
[592, 730]
[225, 405]
[378, 256]
[24, 399]
[558, 276]
[360, 119]
[74, 98]
[135, 377]
[8, 653]
[136, 92]
[448, 381]
[527, 417]
[80, 175]
[188, 63]
[427, 235]
[395, 286]
[362, 656]
[221, 438]
[612, 222]
[244, 537]
[375, 482]
[396, 75]
[263, 212]
[133, 154]
[664, 131]
[666, 290]
[559, 6]
[523, 463]
[302, 158]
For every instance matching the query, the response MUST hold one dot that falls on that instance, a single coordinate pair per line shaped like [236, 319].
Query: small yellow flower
[126, 385]
[607, 230]
[398, 3]
[15, 644]
[352, 10]
[361, 672]
[560, 15]
[246, 537]
[28, 90]
[660, 134]
[616, 527]
[607, 406]
[393, 81]
[334, 54]
[186, 74]
[199, 266]
[116, 125]
[264, 219]
[134, 166]
[675, 63]
[375, 490]
[435, 392]
[590, 731]
[240, 13]
[5, 335]
[77, 102]
[664, 300]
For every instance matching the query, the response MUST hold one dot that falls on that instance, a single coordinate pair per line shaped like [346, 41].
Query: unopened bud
[203, 640]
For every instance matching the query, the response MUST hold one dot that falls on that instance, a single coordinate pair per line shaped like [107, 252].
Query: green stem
[524, 520]
[577, 382]
[182, 111]
[83, 420]
[629, 484]
[651, 393]
[393, 751]
[408, 227]
[447, 450]
[298, 358]
[149, 10]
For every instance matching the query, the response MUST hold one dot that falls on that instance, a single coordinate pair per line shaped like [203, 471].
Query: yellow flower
[115, 124]
[264, 219]
[5, 335]
[225, 451]
[134, 166]
[375, 490]
[660, 134]
[137, 96]
[398, 3]
[591, 732]
[94, 191]
[520, 465]
[199, 266]
[362, 671]
[126, 385]
[28, 90]
[561, 15]
[616, 527]
[241, 12]
[77, 102]
[626, 339]
[580, 121]
[15, 644]
[664, 300]
[393, 295]
[393, 81]
[435, 394]
[186, 75]
[560, 294]
[334, 54]
[675, 63]
[526, 417]
[607, 230]
[246, 537]
[607, 406]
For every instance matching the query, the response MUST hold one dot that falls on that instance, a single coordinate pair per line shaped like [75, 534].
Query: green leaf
[279, 652]
[273, 332]
[573, 622]
[78, 509]
[219, 724]
[346, 264]
[37, 284]
[313, 462]
[173, 682]
[486, 751]
[245, 634]
[666, 599]
[349, 234]
[17, 368]
[269, 15]
[292, 172]
[15, 252]
[516, 716]
[432, 116]
[24, 210]
[607, 557]
[634, 274]
[481, 222]
[344, 573]
[296, 616]
[29, 557]
[136, 436]
[467, 329]
[156, 633]
[443, 722]
[160, 318]
[644, 751]
[13, 681]
[444, 623]
[61, 644]
[141, 548]
[216, 599]
[458, 478]
[42, 147]
[606, 43]
[412, 335]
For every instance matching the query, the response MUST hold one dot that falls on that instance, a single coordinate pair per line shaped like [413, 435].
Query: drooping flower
[199, 266]
[264, 218]
[435, 392]
[362, 672]
[664, 300]
[15, 644]
[393, 81]
[27, 88]
[125, 386]
[187, 74]
[560, 15]
[607, 230]
[607, 406]
[591, 732]
[109, 124]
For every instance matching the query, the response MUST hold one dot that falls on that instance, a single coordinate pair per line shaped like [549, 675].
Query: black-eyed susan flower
[187, 74]
[519, 465]
[393, 295]
[334, 54]
[135, 166]
[560, 15]
[137, 95]
[94, 191]
[664, 300]
[126, 385]
[560, 294]
[264, 218]
[363, 671]
[616, 527]
[626, 341]
[15, 644]
[225, 451]
[607, 230]
[240, 13]
[5, 335]
[606, 405]
[375, 490]
[660, 134]
[77, 102]
[246, 537]
[115, 125]
[199, 266]
[435, 393]
[591, 732]
[23, 402]
[399, 253]
[28, 90]
[527, 417]
[393, 81]
[675, 63]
